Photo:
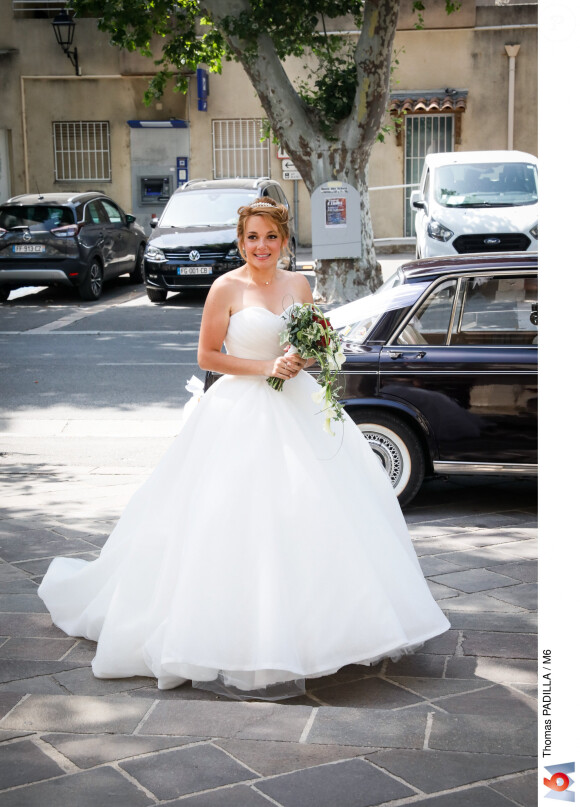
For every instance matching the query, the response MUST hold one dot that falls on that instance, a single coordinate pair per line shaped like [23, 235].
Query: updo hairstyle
[266, 207]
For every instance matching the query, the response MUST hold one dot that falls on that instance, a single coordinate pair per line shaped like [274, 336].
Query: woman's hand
[287, 366]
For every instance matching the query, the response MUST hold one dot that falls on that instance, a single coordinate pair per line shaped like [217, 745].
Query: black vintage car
[441, 368]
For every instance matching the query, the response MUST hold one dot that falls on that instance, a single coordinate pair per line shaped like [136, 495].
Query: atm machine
[159, 164]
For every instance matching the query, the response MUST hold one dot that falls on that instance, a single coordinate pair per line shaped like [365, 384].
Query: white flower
[340, 358]
[327, 422]
[319, 395]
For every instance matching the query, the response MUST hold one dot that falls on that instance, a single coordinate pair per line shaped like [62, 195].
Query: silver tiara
[262, 204]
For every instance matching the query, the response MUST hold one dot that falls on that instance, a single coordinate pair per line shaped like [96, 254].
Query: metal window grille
[238, 149]
[82, 150]
[424, 134]
[53, 6]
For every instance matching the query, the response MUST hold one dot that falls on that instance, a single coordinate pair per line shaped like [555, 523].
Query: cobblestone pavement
[453, 725]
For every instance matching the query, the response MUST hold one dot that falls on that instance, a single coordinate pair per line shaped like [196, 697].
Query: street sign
[288, 165]
[291, 175]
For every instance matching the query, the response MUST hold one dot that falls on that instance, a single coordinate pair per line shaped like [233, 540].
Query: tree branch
[373, 63]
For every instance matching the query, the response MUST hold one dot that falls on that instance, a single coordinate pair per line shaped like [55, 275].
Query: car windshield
[34, 217]
[498, 184]
[205, 208]
[355, 320]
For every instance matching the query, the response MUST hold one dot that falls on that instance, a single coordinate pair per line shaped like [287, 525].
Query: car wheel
[397, 448]
[91, 286]
[4, 294]
[136, 276]
[157, 295]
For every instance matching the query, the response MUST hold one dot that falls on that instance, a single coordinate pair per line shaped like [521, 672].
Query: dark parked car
[195, 241]
[441, 368]
[67, 239]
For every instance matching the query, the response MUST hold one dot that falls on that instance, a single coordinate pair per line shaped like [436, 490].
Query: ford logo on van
[491, 241]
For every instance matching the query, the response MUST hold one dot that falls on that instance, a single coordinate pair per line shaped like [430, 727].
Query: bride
[262, 550]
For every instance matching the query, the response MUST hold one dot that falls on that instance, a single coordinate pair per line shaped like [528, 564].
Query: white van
[477, 201]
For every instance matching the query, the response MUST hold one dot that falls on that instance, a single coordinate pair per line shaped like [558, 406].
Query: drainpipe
[512, 52]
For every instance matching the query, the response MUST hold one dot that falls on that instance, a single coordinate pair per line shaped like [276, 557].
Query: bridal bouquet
[311, 335]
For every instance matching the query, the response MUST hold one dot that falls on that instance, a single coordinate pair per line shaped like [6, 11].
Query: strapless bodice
[254, 333]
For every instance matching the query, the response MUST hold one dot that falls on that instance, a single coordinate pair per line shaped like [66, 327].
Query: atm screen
[155, 190]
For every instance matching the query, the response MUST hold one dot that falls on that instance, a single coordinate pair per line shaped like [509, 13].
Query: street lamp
[64, 31]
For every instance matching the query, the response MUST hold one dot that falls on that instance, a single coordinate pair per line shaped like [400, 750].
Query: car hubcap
[96, 279]
[388, 455]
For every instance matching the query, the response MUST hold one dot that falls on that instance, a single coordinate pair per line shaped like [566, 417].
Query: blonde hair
[266, 207]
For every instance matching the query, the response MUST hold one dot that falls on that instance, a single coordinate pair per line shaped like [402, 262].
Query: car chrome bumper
[34, 277]
[519, 469]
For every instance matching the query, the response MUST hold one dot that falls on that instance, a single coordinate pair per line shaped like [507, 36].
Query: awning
[427, 102]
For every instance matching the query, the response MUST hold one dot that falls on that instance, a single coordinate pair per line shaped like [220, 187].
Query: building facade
[466, 81]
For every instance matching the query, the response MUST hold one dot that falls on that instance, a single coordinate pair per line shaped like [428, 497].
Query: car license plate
[194, 270]
[29, 248]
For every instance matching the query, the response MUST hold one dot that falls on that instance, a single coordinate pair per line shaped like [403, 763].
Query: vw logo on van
[492, 242]
[194, 255]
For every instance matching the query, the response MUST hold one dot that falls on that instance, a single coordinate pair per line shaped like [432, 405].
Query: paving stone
[443, 645]
[83, 652]
[523, 790]
[472, 580]
[484, 734]
[187, 770]
[41, 649]
[38, 544]
[431, 564]
[18, 603]
[21, 586]
[88, 751]
[355, 783]
[82, 682]
[23, 762]
[495, 700]
[477, 603]
[524, 549]
[471, 797]
[433, 688]
[7, 702]
[104, 786]
[511, 623]
[82, 715]
[433, 771]
[182, 693]
[526, 571]
[437, 546]
[498, 670]
[504, 645]
[38, 685]
[17, 669]
[271, 758]
[479, 558]
[419, 665]
[441, 592]
[371, 727]
[368, 693]
[30, 626]
[237, 796]
[11, 735]
[524, 595]
[39, 567]
[255, 721]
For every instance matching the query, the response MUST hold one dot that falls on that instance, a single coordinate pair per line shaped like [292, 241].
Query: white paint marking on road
[308, 726]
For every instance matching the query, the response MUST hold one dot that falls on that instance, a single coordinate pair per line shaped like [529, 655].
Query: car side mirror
[130, 218]
[154, 221]
[417, 202]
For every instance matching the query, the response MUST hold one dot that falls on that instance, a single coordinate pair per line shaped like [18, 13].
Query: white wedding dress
[261, 551]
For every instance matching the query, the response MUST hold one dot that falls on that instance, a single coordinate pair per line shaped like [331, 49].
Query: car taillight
[66, 231]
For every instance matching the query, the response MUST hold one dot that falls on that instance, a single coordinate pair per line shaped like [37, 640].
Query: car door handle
[397, 354]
